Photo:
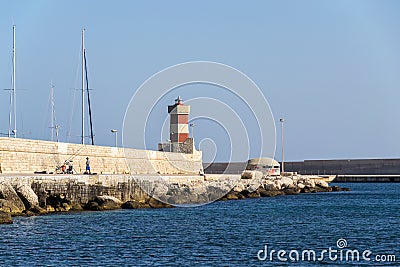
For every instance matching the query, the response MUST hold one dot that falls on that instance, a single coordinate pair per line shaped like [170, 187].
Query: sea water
[247, 232]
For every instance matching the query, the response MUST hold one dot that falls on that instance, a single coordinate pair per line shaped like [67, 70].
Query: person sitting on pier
[63, 167]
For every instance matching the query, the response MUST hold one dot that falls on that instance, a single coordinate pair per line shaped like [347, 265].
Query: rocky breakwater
[19, 200]
[36, 195]
[254, 185]
[32, 195]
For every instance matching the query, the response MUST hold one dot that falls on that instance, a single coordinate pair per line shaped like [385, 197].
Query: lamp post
[282, 120]
[57, 127]
[169, 143]
[116, 136]
[173, 146]
[172, 135]
[192, 125]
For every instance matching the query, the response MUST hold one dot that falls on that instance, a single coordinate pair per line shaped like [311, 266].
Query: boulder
[268, 193]
[49, 208]
[8, 193]
[66, 206]
[336, 188]
[42, 196]
[215, 192]
[253, 185]
[247, 194]
[287, 182]
[76, 207]
[252, 175]
[247, 175]
[308, 190]
[92, 205]
[37, 210]
[154, 203]
[231, 196]
[134, 205]
[10, 207]
[58, 202]
[262, 191]
[269, 185]
[300, 186]
[108, 202]
[307, 182]
[291, 191]
[203, 198]
[277, 185]
[318, 189]
[254, 194]
[28, 196]
[5, 218]
[321, 184]
[239, 187]
[101, 199]
[240, 196]
[103, 203]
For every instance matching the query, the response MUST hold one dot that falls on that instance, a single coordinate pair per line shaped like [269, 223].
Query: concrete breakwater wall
[29, 156]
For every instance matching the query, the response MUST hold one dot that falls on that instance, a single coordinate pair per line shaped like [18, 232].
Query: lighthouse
[179, 117]
[179, 140]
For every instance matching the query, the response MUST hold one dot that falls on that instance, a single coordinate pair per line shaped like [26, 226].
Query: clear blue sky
[331, 68]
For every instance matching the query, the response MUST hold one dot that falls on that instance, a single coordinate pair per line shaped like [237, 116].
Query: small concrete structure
[267, 166]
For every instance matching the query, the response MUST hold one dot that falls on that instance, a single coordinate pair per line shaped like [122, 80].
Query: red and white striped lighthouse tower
[179, 118]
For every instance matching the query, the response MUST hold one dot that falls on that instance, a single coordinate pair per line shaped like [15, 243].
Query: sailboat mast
[14, 86]
[83, 86]
[89, 107]
[52, 110]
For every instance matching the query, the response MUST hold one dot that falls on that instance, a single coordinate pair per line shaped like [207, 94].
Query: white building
[268, 166]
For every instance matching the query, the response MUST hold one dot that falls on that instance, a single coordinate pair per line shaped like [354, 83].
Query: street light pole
[116, 136]
[57, 127]
[169, 142]
[192, 125]
[282, 120]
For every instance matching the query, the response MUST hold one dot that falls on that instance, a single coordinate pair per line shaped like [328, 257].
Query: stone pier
[25, 156]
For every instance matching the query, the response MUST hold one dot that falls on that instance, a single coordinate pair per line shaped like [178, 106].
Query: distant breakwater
[351, 167]
[367, 178]
[43, 194]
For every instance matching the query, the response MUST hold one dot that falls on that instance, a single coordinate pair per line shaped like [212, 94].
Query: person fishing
[87, 165]
[70, 169]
